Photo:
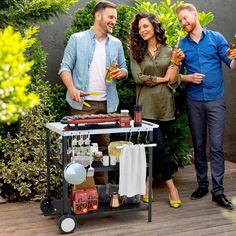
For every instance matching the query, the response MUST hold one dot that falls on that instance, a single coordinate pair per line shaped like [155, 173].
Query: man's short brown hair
[102, 5]
[186, 6]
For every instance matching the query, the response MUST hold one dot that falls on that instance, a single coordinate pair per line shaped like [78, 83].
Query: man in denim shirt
[204, 51]
[87, 56]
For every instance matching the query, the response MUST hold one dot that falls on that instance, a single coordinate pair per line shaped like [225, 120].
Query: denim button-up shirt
[77, 58]
[205, 57]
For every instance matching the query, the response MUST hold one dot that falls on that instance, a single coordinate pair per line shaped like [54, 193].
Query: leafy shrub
[83, 19]
[23, 169]
[22, 146]
[23, 174]
[20, 13]
[14, 100]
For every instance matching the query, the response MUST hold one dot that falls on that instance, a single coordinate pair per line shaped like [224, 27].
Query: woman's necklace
[153, 51]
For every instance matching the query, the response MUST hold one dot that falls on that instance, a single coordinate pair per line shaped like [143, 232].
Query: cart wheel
[45, 206]
[67, 224]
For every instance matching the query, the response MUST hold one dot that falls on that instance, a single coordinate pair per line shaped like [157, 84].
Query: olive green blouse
[158, 100]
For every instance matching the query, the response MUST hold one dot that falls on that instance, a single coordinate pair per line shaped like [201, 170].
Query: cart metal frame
[62, 207]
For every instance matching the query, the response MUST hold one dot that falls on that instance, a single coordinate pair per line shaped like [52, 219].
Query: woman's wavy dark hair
[137, 45]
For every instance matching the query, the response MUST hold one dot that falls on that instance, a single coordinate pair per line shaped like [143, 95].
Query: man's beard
[190, 27]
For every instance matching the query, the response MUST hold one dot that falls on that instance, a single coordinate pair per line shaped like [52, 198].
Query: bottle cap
[137, 107]
[99, 153]
[124, 111]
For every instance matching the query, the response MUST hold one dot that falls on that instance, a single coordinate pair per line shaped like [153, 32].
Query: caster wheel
[67, 224]
[45, 206]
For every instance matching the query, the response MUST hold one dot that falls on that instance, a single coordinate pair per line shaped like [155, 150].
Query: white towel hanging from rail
[132, 170]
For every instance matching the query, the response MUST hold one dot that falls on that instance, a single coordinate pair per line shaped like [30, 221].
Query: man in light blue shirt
[205, 50]
[75, 70]
[87, 57]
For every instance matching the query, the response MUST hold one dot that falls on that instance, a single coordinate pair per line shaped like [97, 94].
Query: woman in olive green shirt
[155, 80]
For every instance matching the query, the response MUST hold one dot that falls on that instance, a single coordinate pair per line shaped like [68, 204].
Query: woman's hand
[150, 83]
[179, 56]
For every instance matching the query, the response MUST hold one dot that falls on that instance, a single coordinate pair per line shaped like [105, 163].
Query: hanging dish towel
[132, 170]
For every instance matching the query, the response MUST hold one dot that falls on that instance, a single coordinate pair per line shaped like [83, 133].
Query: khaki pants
[103, 140]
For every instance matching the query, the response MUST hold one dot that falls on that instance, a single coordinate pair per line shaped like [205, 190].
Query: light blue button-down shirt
[205, 57]
[77, 58]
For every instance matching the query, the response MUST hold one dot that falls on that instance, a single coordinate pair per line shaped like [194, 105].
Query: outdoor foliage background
[22, 149]
[23, 157]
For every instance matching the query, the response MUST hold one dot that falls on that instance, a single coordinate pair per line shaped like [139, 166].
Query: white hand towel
[132, 170]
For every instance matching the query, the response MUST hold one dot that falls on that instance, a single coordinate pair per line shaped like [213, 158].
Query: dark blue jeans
[207, 119]
[161, 164]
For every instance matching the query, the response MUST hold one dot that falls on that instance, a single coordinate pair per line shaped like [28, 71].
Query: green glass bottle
[232, 46]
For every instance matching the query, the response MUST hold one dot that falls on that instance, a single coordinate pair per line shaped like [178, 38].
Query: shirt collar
[204, 31]
[92, 34]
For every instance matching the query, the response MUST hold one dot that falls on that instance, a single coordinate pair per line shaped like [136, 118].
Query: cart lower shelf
[68, 221]
[105, 209]
[54, 207]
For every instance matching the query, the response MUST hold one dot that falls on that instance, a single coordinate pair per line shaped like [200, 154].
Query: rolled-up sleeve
[174, 85]
[121, 59]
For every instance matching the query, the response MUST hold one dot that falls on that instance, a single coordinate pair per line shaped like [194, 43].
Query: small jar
[124, 118]
[98, 156]
[105, 160]
[112, 160]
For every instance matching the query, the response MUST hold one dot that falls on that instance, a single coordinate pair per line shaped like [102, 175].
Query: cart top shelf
[100, 128]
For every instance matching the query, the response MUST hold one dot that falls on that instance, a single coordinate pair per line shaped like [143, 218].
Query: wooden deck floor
[194, 218]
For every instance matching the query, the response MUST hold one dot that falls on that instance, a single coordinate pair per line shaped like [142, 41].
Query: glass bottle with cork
[174, 52]
[232, 46]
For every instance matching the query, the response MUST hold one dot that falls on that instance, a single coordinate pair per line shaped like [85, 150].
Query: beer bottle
[112, 67]
[174, 51]
[232, 46]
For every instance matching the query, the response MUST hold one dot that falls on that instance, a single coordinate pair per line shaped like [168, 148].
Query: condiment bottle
[98, 156]
[124, 118]
[114, 200]
[137, 115]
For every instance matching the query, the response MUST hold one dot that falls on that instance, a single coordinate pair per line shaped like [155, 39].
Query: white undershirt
[97, 73]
